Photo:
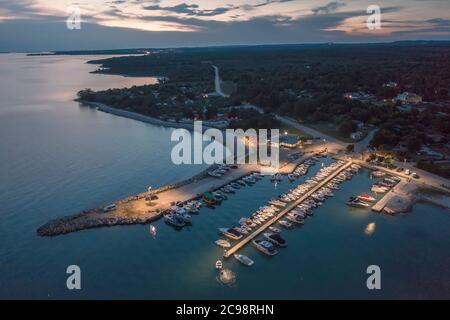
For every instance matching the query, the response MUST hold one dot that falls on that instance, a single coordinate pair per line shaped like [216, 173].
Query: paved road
[364, 143]
[331, 143]
[217, 83]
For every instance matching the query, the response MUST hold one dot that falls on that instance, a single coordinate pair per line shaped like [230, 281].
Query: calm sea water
[58, 158]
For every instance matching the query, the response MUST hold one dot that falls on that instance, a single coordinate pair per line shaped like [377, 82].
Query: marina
[331, 248]
[289, 207]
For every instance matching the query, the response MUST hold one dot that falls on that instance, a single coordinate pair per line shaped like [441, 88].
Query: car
[415, 175]
[407, 172]
[399, 169]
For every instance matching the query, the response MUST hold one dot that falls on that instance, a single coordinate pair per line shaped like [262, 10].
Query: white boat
[285, 224]
[152, 230]
[223, 243]
[379, 189]
[378, 174]
[274, 229]
[243, 259]
[366, 197]
[265, 247]
[218, 264]
[353, 202]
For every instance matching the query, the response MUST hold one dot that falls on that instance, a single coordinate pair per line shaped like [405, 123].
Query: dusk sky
[39, 25]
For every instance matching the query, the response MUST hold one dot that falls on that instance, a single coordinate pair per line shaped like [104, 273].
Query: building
[390, 84]
[408, 97]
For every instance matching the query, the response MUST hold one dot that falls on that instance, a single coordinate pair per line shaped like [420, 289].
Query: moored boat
[243, 259]
[223, 243]
[265, 247]
[275, 238]
[231, 233]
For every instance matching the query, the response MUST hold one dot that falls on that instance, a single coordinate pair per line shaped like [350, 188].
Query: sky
[40, 25]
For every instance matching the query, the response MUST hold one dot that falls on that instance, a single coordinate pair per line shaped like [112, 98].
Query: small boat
[275, 238]
[274, 229]
[285, 224]
[152, 230]
[265, 247]
[219, 264]
[295, 219]
[378, 174]
[366, 197]
[209, 199]
[231, 233]
[223, 243]
[379, 189]
[353, 202]
[243, 259]
[183, 216]
[174, 220]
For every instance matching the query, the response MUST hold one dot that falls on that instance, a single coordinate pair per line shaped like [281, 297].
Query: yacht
[174, 220]
[265, 247]
[275, 238]
[231, 233]
[243, 259]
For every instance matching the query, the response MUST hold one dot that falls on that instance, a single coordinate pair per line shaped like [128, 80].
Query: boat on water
[152, 230]
[295, 219]
[184, 215]
[223, 243]
[274, 229]
[209, 199]
[265, 247]
[379, 189]
[219, 264]
[275, 238]
[378, 174]
[354, 202]
[285, 224]
[231, 233]
[243, 259]
[174, 220]
[366, 197]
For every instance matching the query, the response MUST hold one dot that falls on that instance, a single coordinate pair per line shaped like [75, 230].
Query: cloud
[328, 8]
[191, 9]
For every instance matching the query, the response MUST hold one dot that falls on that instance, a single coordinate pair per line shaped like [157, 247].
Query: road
[217, 83]
[332, 144]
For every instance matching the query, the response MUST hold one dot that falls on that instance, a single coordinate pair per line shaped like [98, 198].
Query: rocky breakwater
[93, 219]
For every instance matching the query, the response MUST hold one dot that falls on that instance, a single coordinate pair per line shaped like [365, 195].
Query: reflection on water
[64, 159]
[370, 228]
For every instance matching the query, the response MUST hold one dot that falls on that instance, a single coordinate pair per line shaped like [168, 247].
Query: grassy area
[329, 129]
[228, 87]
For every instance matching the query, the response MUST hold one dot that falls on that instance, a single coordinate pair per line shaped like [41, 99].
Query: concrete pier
[281, 214]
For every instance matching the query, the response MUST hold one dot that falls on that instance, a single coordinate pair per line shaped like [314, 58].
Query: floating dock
[288, 208]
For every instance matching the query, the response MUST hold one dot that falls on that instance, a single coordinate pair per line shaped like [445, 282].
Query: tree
[350, 148]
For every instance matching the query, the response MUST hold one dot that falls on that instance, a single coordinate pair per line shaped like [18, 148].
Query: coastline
[136, 210]
[143, 118]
